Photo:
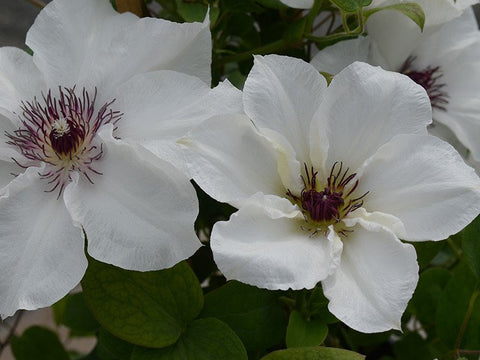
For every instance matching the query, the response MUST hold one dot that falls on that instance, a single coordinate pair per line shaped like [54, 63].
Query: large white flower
[87, 125]
[446, 62]
[326, 181]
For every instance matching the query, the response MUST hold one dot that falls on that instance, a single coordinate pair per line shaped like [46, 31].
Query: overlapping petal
[41, 252]
[136, 215]
[377, 275]
[19, 81]
[160, 107]
[335, 58]
[262, 245]
[356, 123]
[99, 47]
[230, 160]
[282, 94]
[7, 171]
[424, 182]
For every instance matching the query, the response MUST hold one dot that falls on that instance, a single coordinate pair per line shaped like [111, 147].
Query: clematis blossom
[327, 180]
[87, 145]
[445, 62]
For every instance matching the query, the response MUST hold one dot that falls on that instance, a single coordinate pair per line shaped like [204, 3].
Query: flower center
[328, 204]
[429, 79]
[60, 132]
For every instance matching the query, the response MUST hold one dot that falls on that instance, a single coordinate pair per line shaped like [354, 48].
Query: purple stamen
[59, 131]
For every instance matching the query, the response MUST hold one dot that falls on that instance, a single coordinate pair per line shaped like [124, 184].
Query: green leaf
[144, 308]
[317, 306]
[313, 353]
[471, 246]
[254, 314]
[272, 4]
[72, 312]
[38, 343]
[303, 332]
[412, 10]
[458, 311]
[192, 12]
[327, 76]
[243, 6]
[427, 250]
[110, 347]
[427, 294]
[351, 5]
[204, 339]
[411, 347]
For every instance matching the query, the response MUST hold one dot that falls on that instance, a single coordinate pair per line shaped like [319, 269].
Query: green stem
[314, 11]
[331, 39]
[471, 305]
[266, 49]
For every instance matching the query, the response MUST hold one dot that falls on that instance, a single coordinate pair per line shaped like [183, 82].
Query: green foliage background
[189, 312]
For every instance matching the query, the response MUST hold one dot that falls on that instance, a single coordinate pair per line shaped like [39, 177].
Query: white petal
[20, 81]
[364, 108]
[88, 44]
[160, 107]
[41, 252]
[424, 182]
[230, 160]
[442, 11]
[289, 168]
[371, 287]
[450, 46]
[335, 58]
[136, 215]
[282, 93]
[7, 151]
[395, 34]
[298, 4]
[371, 221]
[8, 171]
[263, 245]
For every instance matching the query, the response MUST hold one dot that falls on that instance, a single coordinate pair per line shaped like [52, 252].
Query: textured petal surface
[20, 81]
[7, 169]
[363, 109]
[41, 252]
[160, 107]
[263, 245]
[282, 94]
[335, 58]
[136, 215]
[230, 160]
[424, 182]
[89, 44]
[371, 287]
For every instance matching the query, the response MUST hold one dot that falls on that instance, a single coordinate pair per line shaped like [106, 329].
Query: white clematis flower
[326, 181]
[87, 126]
[445, 62]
